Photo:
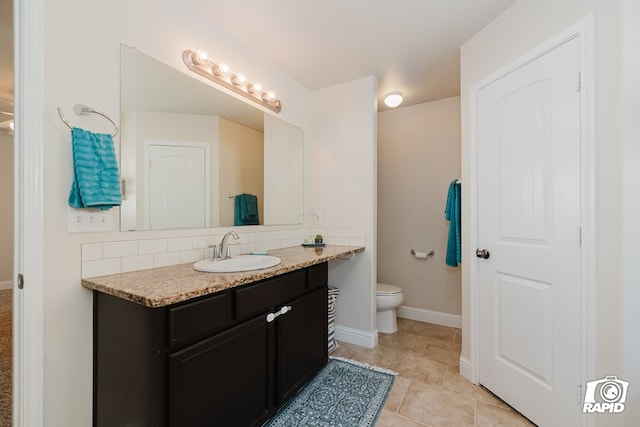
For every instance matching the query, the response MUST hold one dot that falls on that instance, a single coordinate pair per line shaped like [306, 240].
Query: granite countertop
[159, 287]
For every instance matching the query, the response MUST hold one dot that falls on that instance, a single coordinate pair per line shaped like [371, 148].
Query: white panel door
[528, 136]
[178, 186]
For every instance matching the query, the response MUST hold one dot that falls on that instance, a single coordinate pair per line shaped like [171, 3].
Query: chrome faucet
[225, 249]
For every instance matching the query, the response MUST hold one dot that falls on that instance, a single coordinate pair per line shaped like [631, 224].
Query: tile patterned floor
[429, 391]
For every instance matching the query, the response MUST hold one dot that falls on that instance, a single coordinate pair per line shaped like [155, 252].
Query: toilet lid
[384, 289]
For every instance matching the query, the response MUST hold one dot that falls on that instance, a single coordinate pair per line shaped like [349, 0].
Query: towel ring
[83, 110]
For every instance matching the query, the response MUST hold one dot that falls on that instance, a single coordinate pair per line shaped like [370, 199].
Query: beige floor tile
[448, 351]
[458, 337]
[342, 348]
[428, 330]
[396, 396]
[437, 407]
[390, 419]
[379, 356]
[492, 416]
[455, 382]
[403, 341]
[429, 390]
[417, 367]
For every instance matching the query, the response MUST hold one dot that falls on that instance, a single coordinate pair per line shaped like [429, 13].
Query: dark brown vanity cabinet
[227, 359]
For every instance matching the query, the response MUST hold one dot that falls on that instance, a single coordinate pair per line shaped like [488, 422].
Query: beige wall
[242, 166]
[523, 26]
[418, 156]
[6, 208]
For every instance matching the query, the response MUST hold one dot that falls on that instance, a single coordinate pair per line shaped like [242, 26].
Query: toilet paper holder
[422, 255]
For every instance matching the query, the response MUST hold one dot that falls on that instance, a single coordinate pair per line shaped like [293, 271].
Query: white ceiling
[409, 45]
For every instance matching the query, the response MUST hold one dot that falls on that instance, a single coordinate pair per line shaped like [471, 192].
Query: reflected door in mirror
[177, 184]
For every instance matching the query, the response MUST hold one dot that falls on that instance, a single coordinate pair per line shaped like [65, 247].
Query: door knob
[482, 253]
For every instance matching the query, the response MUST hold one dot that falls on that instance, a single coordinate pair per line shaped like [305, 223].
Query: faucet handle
[228, 254]
[215, 254]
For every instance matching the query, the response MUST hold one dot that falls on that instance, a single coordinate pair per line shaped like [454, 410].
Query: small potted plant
[318, 239]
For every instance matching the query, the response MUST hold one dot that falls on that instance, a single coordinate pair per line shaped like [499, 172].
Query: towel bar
[82, 110]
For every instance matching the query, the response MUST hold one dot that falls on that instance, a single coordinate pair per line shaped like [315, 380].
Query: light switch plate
[88, 220]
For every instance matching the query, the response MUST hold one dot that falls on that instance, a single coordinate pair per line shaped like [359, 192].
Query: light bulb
[393, 99]
[224, 68]
[201, 57]
[239, 79]
[269, 96]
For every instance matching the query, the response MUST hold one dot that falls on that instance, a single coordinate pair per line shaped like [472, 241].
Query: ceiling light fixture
[393, 99]
[199, 62]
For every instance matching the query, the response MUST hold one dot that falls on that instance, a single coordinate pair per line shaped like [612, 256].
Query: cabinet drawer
[269, 294]
[318, 275]
[199, 318]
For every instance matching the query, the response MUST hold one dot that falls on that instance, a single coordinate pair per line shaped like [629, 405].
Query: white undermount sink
[237, 263]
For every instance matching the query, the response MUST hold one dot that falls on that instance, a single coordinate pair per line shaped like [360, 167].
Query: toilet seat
[385, 289]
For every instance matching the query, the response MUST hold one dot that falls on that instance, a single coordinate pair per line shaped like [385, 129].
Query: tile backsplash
[104, 258]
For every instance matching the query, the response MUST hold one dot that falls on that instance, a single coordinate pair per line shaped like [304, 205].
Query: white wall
[81, 65]
[6, 210]
[629, 85]
[283, 172]
[418, 156]
[520, 28]
[344, 190]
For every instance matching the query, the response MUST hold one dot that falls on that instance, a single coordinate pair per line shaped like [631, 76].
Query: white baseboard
[465, 368]
[356, 336]
[6, 285]
[430, 316]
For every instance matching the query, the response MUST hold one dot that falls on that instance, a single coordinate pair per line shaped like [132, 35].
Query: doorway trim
[28, 305]
[584, 30]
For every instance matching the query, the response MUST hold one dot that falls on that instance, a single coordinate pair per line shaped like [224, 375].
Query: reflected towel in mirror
[246, 210]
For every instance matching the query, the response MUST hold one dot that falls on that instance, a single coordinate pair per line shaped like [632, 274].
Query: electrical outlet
[89, 220]
[318, 217]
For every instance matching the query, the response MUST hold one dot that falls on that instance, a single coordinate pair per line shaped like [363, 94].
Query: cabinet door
[302, 342]
[224, 380]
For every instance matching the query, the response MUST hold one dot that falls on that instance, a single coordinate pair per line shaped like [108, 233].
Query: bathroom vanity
[211, 349]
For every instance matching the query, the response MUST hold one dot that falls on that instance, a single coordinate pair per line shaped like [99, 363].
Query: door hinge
[580, 236]
[579, 82]
[20, 281]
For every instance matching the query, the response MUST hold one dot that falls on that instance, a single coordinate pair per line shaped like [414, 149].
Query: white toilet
[388, 298]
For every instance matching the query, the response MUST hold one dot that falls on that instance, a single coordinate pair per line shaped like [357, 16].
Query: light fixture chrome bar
[235, 82]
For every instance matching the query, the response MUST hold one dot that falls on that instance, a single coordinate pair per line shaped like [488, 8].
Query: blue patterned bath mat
[344, 393]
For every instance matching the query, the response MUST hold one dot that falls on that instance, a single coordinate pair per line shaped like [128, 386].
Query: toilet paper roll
[420, 254]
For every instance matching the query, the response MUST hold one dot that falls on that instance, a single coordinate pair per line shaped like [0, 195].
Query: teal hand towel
[96, 179]
[246, 210]
[452, 214]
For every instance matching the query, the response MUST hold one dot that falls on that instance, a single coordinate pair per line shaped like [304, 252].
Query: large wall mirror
[192, 156]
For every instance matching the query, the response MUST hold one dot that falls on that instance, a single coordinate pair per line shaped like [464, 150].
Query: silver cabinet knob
[482, 253]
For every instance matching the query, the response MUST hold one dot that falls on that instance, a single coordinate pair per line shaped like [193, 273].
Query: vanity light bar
[198, 62]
